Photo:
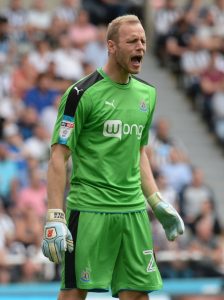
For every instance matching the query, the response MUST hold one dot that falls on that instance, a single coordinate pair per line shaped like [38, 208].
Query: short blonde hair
[114, 25]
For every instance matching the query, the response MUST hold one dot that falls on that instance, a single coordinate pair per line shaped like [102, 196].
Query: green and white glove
[167, 216]
[57, 237]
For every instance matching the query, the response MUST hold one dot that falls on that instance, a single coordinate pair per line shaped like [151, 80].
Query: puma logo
[110, 103]
[77, 90]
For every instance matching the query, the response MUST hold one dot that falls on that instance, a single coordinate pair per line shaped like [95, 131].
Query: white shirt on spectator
[68, 63]
[48, 118]
[218, 15]
[195, 60]
[7, 229]
[193, 199]
[39, 19]
[164, 19]
[40, 62]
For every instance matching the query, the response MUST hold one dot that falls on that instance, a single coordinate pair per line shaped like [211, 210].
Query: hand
[167, 216]
[57, 237]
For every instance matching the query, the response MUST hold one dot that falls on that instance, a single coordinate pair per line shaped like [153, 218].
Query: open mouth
[136, 60]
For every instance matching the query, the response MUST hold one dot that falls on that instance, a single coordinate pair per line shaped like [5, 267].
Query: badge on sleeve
[67, 125]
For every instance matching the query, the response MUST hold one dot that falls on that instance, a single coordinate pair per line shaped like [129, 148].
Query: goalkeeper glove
[167, 216]
[57, 237]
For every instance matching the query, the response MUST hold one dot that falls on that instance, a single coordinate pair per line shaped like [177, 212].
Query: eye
[131, 42]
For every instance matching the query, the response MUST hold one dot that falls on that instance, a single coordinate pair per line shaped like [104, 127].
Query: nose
[141, 46]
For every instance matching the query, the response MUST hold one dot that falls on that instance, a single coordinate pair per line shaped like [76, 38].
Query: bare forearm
[147, 179]
[56, 180]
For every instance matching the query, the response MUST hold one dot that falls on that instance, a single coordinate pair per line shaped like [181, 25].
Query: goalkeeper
[102, 235]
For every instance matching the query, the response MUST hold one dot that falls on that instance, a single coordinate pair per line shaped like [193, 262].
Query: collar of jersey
[119, 85]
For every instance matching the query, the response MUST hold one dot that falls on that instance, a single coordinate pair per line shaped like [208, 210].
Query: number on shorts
[150, 267]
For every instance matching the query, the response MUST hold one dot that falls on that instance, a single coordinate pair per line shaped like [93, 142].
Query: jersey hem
[103, 210]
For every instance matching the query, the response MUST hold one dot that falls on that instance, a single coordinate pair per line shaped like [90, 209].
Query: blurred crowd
[44, 51]
[189, 41]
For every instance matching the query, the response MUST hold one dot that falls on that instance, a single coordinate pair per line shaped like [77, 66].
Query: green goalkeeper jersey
[105, 124]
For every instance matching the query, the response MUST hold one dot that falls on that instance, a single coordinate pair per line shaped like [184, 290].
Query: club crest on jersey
[143, 106]
[67, 125]
[85, 276]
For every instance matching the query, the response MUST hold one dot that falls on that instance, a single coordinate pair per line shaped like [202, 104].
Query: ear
[111, 46]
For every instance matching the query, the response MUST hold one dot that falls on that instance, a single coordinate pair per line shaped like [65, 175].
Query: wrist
[56, 215]
[154, 199]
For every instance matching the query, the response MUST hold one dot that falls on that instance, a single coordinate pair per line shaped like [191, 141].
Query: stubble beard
[120, 60]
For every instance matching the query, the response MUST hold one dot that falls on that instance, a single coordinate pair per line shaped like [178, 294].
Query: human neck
[116, 74]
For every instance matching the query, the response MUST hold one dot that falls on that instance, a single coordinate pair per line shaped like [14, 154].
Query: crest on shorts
[85, 275]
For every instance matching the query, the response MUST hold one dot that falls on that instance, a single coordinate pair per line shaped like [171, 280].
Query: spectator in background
[7, 111]
[196, 7]
[38, 19]
[15, 141]
[7, 47]
[217, 107]
[212, 81]
[104, 11]
[217, 9]
[193, 195]
[37, 146]
[54, 31]
[206, 31]
[5, 274]
[17, 17]
[67, 11]
[2, 120]
[8, 176]
[168, 192]
[41, 55]
[82, 31]
[41, 95]
[178, 171]
[194, 62]
[164, 19]
[23, 77]
[95, 52]
[57, 82]
[134, 7]
[178, 40]
[28, 228]
[49, 115]
[161, 142]
[5, 79]
[206, 245]
[27, 121]
[7, 229]
[68, 60]
[26, 245]
[208, 211]
[34, 194]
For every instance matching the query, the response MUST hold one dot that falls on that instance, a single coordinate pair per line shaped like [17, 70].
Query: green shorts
[111, 251]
